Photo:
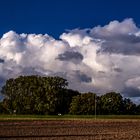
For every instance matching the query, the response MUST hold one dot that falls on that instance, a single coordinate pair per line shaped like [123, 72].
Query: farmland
[69, 129]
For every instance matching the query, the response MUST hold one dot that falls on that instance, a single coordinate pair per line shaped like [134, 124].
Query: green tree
[4, 105]
[138, 109]
[111, 103]
[65, 100]
[129, 107]
[1, 108]
[34, 94]
[83, 104]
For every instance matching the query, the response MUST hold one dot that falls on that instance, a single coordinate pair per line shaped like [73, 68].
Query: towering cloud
[100, 59]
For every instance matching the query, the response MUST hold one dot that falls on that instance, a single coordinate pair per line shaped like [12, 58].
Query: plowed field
[70, 130]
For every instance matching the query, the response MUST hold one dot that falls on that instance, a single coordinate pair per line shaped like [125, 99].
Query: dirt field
[70, 130]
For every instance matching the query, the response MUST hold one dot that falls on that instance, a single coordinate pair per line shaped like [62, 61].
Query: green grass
[66, 117]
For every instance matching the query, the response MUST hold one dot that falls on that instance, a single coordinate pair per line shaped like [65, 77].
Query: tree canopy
[36, 95]
[50, 95]
[83, 104]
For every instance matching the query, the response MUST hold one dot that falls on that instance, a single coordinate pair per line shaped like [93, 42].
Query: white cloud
[100, 59]
[134, 82]
[116, 28]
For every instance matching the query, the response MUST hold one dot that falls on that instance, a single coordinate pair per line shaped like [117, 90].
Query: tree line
[50, 95]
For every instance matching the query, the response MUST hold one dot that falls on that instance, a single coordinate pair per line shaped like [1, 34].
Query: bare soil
[70, 130]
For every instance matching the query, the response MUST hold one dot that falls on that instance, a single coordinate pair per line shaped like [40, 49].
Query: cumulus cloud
[99, 59]
[120, 37]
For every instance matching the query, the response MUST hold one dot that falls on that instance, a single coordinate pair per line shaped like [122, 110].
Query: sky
[94, 44]
[55, 16]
